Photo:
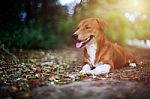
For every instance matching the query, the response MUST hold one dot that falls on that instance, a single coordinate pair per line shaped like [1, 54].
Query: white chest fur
[91, 50]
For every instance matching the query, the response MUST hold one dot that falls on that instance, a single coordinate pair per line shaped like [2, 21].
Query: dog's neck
[94, 48]
[91, 50]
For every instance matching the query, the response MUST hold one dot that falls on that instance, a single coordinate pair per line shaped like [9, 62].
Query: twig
[6, 51]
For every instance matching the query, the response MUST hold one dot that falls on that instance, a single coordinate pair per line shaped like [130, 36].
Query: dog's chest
[91, 50]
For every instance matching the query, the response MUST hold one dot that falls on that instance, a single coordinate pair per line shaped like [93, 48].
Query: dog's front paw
[86, 69]
[132, 64]
[102, 69]
[96, 71]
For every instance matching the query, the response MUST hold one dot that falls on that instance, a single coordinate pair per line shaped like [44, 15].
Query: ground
[53, 74]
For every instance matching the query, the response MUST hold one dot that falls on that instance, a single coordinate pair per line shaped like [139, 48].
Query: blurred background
[32, 24]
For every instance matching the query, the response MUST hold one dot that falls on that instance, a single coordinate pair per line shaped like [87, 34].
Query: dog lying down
[100, 55]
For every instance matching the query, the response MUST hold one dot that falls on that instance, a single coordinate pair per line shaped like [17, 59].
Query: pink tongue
[79, 44]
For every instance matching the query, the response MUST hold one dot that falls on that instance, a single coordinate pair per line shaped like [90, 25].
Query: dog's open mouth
[80, 44]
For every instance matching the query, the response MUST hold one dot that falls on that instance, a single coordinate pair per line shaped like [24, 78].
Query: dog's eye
[87, 27]
[77, 28]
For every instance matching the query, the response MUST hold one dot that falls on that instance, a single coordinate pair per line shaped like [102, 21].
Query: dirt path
[46, 75]
[125, 83]
[108, 89]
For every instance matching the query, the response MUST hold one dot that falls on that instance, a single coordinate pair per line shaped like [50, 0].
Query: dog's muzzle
[81, 43]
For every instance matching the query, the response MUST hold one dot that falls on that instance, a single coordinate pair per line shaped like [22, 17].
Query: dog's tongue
[79, 44]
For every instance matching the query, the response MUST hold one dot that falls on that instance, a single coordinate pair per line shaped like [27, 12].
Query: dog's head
[88, 31]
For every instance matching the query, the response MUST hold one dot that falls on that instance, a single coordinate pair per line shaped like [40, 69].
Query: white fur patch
[91, 50]
[86, 69]
[99, 68]
[102, 69]
[132, 64]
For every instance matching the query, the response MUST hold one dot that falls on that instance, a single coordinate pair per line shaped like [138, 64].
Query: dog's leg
[86, 69]
[101, 69]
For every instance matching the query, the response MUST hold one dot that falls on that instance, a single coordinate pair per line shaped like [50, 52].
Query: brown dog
[100, 55]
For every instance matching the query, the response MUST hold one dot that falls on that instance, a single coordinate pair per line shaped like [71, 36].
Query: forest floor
[53, 74]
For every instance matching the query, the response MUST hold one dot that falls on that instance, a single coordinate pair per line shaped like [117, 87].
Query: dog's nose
[75, 36]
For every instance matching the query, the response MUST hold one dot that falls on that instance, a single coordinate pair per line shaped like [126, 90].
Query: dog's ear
[102, 25]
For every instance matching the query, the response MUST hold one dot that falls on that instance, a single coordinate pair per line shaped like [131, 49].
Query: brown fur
[107, 52]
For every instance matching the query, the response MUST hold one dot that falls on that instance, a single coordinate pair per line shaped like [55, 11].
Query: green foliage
[50, 26]
[27, 24]
[65, 29]
[123, 22]
[117, 27]
[51, 41]
[28, 36]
